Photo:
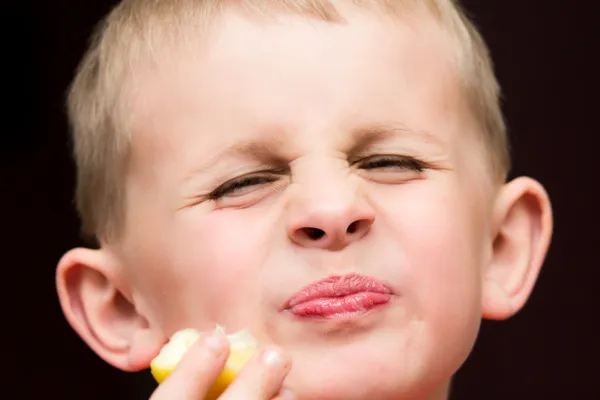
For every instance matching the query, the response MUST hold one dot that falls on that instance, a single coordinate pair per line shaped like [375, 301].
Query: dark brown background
[546, 57]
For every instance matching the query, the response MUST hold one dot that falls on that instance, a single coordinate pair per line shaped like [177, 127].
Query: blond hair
[98, 96]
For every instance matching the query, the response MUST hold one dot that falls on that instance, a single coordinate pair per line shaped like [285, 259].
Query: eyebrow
[365, 137]
[271, 151]
[265, 151]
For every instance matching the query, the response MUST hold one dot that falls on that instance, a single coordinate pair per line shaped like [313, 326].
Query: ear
[521, 232]
[96, 301]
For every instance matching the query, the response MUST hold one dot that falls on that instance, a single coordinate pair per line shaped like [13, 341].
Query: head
[230, 153]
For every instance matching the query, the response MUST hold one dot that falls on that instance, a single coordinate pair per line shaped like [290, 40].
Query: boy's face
[275, 155]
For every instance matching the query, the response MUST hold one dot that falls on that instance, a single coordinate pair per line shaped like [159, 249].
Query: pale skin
[247, 141]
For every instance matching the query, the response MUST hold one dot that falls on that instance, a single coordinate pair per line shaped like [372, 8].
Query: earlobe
[522, 229]
[95, 301]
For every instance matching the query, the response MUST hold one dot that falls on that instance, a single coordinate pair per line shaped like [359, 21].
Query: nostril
[314, 233]
[352, 227]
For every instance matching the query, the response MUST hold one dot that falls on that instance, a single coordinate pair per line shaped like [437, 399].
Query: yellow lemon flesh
[242, 348]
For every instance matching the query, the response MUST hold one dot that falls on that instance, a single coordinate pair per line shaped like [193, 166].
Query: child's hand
[261, 379]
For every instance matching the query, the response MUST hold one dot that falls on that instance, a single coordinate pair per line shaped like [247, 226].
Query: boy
[329, 174]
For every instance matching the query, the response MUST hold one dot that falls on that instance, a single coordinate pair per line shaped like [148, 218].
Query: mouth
[339, 297]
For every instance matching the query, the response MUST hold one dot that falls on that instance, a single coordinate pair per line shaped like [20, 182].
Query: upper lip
[337, 286]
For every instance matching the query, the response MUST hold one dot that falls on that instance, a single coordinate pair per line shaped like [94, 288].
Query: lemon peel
[242, 348]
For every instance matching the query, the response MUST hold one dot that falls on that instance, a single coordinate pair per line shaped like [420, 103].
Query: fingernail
[272, 358]
[286, 394]
[215, 342]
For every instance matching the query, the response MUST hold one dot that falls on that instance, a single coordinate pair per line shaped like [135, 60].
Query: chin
[375, 368]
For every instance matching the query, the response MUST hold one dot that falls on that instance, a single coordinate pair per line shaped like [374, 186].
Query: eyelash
[407, 163]
[234, 185]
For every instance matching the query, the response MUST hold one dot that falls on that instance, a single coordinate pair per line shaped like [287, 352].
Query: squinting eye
[392, 162]
[236, 185]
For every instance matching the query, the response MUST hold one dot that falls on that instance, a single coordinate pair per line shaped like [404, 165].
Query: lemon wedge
[242, 348]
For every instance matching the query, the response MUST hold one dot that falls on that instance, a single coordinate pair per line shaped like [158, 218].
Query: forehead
[292, 74]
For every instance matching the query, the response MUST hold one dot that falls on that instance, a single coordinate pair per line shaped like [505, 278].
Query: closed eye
[234, 186]
[243, 184]
[388, 162]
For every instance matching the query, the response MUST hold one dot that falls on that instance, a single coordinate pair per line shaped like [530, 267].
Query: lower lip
[341, 307]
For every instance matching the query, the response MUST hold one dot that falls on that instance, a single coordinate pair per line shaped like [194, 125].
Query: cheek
[219, 258]
[197, 270]
[440, 235]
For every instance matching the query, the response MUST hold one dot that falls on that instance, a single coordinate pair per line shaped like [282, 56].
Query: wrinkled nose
[330, 226]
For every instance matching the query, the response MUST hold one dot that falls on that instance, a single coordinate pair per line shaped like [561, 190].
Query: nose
[331, 225]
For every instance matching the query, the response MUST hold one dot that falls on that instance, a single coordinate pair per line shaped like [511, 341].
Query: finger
[285, 394]
[262, 378]
[196, 372]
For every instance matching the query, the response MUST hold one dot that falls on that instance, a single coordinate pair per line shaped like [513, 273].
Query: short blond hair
[97, 98]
